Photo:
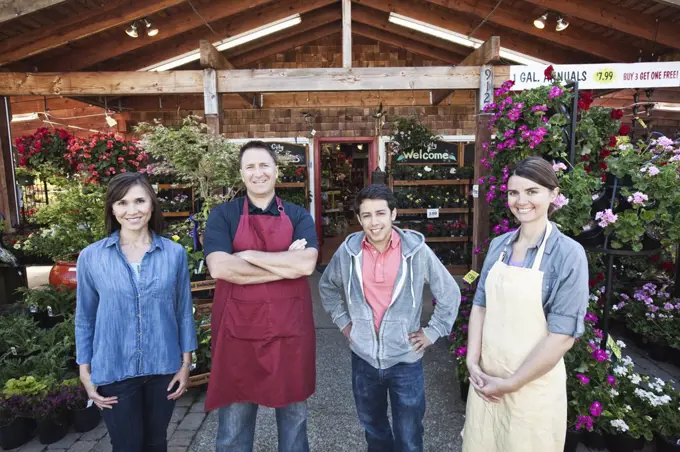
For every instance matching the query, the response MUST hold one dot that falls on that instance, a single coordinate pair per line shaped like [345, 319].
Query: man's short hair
[375, 191]
[256, 144]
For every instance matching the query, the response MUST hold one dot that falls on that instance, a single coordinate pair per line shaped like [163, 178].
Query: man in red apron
[261, 250]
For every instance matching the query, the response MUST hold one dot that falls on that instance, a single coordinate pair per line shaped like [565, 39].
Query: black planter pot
[592, 237]
[16, 434]
[659, 352]
[624, 443]
[464, 390]
[601, 202]
[594, 440]
[625, 182]
[198, 277]
[664, 444]
[52, 430]
[86, 419]
[48, 322]
[572, 441]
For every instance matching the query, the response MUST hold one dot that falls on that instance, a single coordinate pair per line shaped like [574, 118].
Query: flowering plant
[45, 152]
[182, 233]
[410, 134]
[103, 155]
[180, 202]
[665, 400]
[459, 333]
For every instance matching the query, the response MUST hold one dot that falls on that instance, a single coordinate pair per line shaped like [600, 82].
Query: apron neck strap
[541, 249]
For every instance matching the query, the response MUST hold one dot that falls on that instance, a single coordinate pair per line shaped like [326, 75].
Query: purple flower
[464, 327]
[480, 181]
[462, 351]
[668, 306]
[504, 187]
[510, 144]
[582, 379]
[600, 355]
[539, 108]
[598, 333]
[611, 380]
[591, 318]
[555, 91]
[584, 422]
[514, 114]
[544, 119]
[509, 133]
[596, 409]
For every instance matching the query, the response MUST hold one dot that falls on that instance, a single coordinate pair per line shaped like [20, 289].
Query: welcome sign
[437, 152]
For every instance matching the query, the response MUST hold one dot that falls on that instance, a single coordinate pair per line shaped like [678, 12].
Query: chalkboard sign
[297, 151]
[437, 152]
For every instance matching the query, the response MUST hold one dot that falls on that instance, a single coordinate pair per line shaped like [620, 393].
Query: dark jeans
[405, 385]
[139, 421]
[236, 428]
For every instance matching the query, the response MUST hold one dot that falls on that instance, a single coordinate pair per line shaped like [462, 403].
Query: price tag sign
[432, 213]
[604, 76]
[616, 350]
[471, 277]
[475, 191]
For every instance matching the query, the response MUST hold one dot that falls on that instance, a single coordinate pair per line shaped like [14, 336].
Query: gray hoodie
[390, 345]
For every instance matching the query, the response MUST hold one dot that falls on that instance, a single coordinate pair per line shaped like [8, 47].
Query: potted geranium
[103, 155]
[45, 152]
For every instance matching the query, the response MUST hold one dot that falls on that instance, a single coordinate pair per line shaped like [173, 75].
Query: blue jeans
[236, 429]
[139, 421]
[405, 385]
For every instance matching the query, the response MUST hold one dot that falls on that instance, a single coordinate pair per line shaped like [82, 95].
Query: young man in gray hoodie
[380, 273]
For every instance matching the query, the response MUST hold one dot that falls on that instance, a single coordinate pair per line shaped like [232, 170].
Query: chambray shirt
[565, 279]
[127, 326]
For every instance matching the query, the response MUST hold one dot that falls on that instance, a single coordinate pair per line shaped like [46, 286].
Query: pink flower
[638, 198]
[582, 379]
[591, 318]
[560, 201]
[559, 167]
[606, 217]
[596, 409]
[653, 170]
[462, 351]
[598, 333]
[600, 355]
[584, 422]
[555, 91]
[611, 380]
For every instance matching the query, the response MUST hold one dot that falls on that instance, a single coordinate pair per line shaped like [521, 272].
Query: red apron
[263, 338]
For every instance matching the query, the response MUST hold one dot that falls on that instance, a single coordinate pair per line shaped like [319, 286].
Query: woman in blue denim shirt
[134, 323]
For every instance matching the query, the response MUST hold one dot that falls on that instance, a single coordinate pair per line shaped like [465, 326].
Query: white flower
[627, 361]
[620, 371]
[594, 197]
[452, 171]
[619, 425]
[427, 169]
[659, 381]
[621, 344]
[614, 392]
[628, 408]
[420, 174]
[635, 379]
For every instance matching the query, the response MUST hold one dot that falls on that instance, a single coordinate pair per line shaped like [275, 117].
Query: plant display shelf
[198, 380]
[409, 183]
[458, 270]
[448, 239]
[461, 210]
[176, 187]
[176, 214]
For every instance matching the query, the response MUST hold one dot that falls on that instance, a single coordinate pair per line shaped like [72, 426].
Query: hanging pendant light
[132, 30]
[150, 29]
[562, 24]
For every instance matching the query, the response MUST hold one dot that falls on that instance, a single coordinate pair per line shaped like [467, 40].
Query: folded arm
[234, 269]
[286, 264]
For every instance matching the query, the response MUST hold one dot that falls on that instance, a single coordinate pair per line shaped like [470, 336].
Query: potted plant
[25, 392]
[48, 304]
[51, 412]
[666, 410]
[15, 429]
[24, 177]
[84, 414]
[45, 152]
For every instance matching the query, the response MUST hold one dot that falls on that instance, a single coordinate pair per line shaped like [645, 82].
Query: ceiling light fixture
[150, 29]
[228, 43]
[540, 22]
[461, 39]
[132, 30]
[562, 24]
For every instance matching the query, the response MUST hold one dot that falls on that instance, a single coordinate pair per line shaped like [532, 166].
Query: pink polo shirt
[380, 274]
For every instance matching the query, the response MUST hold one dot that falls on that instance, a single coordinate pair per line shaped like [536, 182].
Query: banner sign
[297, 151]
[437, 152]
[601, 76]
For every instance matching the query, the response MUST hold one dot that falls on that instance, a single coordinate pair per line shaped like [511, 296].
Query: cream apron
[533, 419]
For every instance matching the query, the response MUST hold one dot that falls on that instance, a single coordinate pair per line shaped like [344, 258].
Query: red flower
[603, 177]
[549, 72]
[617, 114]
[585, 98]
[587, 168]
[603, 166]
[23, 161]
[612, 141]
[604, 153]
[624, 130]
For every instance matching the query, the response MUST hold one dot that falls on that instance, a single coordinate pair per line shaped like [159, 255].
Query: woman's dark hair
[375, 191]
[256, 144]
[538, 170]
[118, 188]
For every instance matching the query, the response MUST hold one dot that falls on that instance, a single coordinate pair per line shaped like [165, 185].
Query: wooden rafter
[513, 18]
[379, 19]
[11, 9]
[622, 19]
[78, 27]
[487, 53]
[436, 53]
[241, 81]
[451, 20]
[213, 59]
[224, 28]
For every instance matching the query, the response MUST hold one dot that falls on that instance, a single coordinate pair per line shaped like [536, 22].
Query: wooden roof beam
[411, 45]
[227, 27]
[511, 17]
[11, 9]
[622, 19]
[487, 53]
[451, 20]
[212, 58]
[77, 27]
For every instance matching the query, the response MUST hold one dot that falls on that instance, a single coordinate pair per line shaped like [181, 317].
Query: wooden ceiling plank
[11, 9]
[78, 27]
[212, 58]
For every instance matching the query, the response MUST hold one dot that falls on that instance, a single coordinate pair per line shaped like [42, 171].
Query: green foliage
[410, 134]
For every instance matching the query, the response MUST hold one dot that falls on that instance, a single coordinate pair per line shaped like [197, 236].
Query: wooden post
[8, 200]
[213, 102]
[480, 217]
[346, 34]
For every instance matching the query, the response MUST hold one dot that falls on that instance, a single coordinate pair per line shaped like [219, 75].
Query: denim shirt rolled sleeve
[565, 288]
[129, 327]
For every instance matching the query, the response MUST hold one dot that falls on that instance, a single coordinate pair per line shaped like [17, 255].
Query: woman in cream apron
[518, 399]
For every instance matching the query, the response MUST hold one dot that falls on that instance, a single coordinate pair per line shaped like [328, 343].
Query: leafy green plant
[58, 300]
[578, 188]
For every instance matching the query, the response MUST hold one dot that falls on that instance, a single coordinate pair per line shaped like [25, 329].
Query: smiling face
[528, 200]
[133, 211]
[376, 220]
[259, 171]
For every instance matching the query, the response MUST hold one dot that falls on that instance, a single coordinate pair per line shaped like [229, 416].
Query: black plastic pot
[601, 202]
[52, 430]
[47, 322]
[626, 181]
[592, 237]
[572, 441]
[664, 444]
[624, 443]
[86, 419]
[16, 434]
[594, 440]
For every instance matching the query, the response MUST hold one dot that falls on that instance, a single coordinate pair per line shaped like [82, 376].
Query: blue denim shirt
[128, 327]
